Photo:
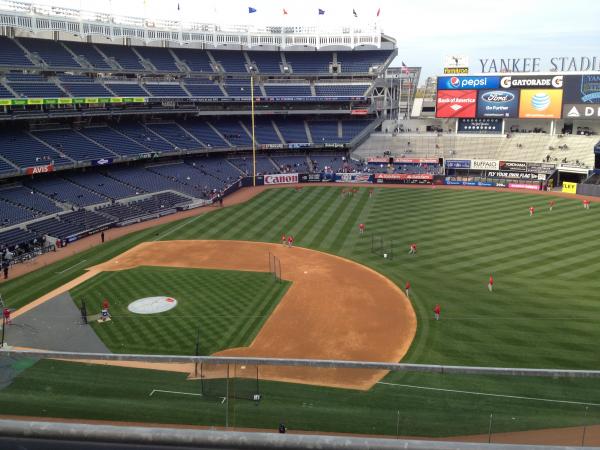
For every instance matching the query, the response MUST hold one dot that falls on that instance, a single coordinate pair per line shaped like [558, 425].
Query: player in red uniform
[413, 249]
[6, 314]
[437, 311]
[407, 288]
[551, 204]
[283, 239]
[586, 204]
[531, 211]
[290, 241]
[361, 228]
[491, 284]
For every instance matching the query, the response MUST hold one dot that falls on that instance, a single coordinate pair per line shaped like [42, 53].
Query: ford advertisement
[471, 82]
[498, 103]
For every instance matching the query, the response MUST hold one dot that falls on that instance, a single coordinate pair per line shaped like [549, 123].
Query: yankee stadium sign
[553, 64]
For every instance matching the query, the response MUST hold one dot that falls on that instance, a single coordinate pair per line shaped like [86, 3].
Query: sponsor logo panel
[516, 175]
[584, 89]
[540, 167]
[458, 163]
[310, 178]
[532, 81]
[498, 103]
[39, 169]
[540, 104]
[456, 70]
[403, 176]
[569, 188]
[353, 177]
[581, 111]
[485, 164]
[472, 82]
[102, 162]
[456, 104]
[531, 187]
[513, 165]
[283, 178]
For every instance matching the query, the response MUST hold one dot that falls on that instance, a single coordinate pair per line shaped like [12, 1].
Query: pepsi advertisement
[498, 103]
[470, 82]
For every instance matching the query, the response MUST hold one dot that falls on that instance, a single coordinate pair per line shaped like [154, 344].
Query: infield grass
[544, 311]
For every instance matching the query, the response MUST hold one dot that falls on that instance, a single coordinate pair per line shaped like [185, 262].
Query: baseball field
[543, 313]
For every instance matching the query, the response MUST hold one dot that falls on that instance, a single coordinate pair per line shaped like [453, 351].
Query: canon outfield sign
[282, 178]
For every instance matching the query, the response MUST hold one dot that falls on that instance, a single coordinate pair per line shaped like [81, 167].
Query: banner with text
[282, 178]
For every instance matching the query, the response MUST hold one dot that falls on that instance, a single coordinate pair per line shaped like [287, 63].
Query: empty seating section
[101, 184]
[127, 89]
[362, 60]
[52, 52]
[263, 165]
[18, 237]
[71, 224]
[5, 93]
[217, 167]
[11, 55]
[25, 151]
[232, 62]
[291, 164]
[196, 60]
[197, 183]
[86, 90]
[175, 135]
[233, 131]
[11, 214]
[26, 198]
[263, 131]
[140, 134]
[121, 212]
[309, 62]
[204, 133]
[165, 90]
[292, 130]
[241, 89]
[288, 90]
[64, 191]
[160, 203]
[73, 144]
[266, 62]
[351, 128]
[160, 58]
[204, 89]
[66, 78]
[114, 141]
[329, 163]
[324, 131]
[147, 181]
[124, 56]
[37, 90]
[90, 54]
[5, 167]
[341, 90]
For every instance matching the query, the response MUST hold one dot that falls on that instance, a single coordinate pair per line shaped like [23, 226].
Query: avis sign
[282, 178]
[39, 169]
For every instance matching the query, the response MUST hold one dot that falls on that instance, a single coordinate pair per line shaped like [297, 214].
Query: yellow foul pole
[253, 141]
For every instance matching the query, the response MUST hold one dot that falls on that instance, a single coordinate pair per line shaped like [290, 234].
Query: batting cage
[275, 267]
[382, 246]
[230, 381]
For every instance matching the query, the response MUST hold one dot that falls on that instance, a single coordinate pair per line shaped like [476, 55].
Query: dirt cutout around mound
[334, 309]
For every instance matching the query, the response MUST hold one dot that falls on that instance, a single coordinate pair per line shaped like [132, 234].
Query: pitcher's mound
[152, 305]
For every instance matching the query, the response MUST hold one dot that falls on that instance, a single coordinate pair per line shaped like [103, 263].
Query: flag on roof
[405, 68]
[354, 13]
[378, 11]
[284, 12]
[251, 10]
[321, 11]
[178, 7]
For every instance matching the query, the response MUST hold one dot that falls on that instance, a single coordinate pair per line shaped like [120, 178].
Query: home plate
[103, 320]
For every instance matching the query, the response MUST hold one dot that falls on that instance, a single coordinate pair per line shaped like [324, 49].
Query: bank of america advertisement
[498, 103]
[460, 103]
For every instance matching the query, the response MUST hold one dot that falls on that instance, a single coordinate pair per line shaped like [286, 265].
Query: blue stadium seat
[324, 131]
[292, 130]
[127, 89]
[5, 93]
[27, 198]
[291, 164]
[263, 131]
[37, 90]
[73, 144]
[165, 90]
[52, 52]
[209, 89]
[309, 62]
[64, 191]
[114, 141]
[232, 131]
[362, 60]
[204, 133]
[341, 90]
[11, 55]
[25, 151]
[89, 52]
[12, 214]
[267, 61]
[288, 90]
[140, 134]
[86, 90]
[240, 89]
[196, 60]
[160, 58]
[123, 55]
[232, 61]
[263, 165]
[102, 185]
[175, 135]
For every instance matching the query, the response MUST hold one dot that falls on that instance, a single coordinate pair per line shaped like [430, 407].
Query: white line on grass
[181, 225]
[174, 392]
[489, 395]
[74, 265]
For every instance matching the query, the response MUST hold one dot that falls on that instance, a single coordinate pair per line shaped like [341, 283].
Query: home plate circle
[152, 305]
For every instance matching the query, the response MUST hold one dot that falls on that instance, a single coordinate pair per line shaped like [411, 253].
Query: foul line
[181, 225]
[174, 392]
[489, 395]
[69, 268]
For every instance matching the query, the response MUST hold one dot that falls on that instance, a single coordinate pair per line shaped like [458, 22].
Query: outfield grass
[543, 312]
[225, 308]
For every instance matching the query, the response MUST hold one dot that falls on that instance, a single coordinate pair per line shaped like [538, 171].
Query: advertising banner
[310, 178]
[581, 111]
[282, 178]
[531, 187]
[569, 188]
[469, 82]
[540, 104]
[453, 182]
[404, 176]
[540, 167]
[386, 160]
[102, 162]
[516, 175]
[517, 166]
[353, 177]
[532, 81]
[498, 103]
[485, 164]
[458, 163]
[39, 169]
[480, 126]
[456, 104]
[582, 89]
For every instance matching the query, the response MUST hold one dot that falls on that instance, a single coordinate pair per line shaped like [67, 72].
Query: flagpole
[253, 140]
